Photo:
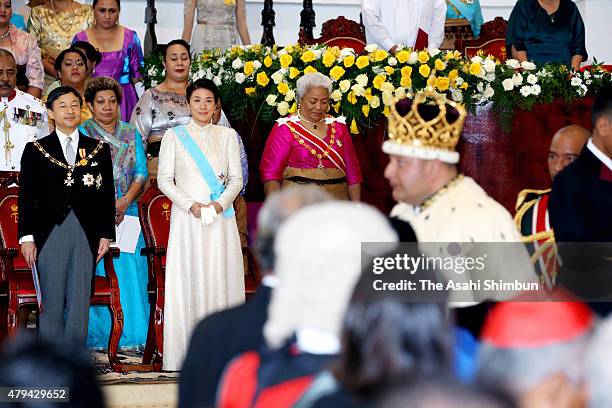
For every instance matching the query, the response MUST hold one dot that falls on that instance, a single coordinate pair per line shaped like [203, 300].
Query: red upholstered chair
[340, 32]
[17, 286]
[492, 40]
[604, 67]
[155, 223]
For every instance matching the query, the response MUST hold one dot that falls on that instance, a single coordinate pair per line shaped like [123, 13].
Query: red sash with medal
[318, 147]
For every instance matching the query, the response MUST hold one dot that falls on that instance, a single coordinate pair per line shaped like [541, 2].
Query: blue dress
[129, 165]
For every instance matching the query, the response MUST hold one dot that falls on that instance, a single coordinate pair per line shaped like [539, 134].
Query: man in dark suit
[222, 336]
[580, 211]
[66, 216]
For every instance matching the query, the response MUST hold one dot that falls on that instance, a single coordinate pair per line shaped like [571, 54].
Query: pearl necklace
[5, 35]
[313, 124]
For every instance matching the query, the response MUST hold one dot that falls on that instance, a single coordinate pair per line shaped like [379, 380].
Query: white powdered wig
[318, 263]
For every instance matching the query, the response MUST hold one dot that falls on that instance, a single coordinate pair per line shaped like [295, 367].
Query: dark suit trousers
[65, 265]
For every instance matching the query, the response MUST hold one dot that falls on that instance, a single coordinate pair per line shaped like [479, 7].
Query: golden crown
[14, 207]
[432, 137]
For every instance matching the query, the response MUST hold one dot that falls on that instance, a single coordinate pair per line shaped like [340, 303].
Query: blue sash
[207, 171]
[470, 12]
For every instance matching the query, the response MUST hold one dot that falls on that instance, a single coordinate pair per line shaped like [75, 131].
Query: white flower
[387, 87]
[221, 61]
[154, 83]
[345, 52]
[237, 63]
[197, 75]
[375, 102]
[283, 108]
[256, 65]
[490, 77]
[477, 59]
[576, 81]
[512, 63]
[362, 80]
[517, 79]
[217, 81]
[508, 84]
[526, 90]
[413, 58]
[480, 87]
[290, 95]
[345, 85]
[387, 98]
[152, 71]
[583, 90]
[489, 65]
[358, 90]
[271, 100]
[240, 77]
[433, 52]
[209, 73]
[278, 76]
[456, 95]
[586, 74]
[535, 89]
[488, 92]
[392, 61]
[459, 81]
[588, 81]
[336, 95]
[317, 53]
[400, 92]
[528, 66]
[371, 47]
[532, 79]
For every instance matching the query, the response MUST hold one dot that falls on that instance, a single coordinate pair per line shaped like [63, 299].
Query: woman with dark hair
[93, 55]
[103, 96]
[121, 51]
[199, 170]
[165, 105]
[71, 68]
[54, 24]
[546, 31]
[386, 338]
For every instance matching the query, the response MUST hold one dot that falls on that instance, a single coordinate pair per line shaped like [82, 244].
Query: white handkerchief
[208, 215]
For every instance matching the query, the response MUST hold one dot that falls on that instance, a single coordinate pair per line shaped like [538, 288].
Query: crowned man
[532, 217]
[443, 205]
[66, 216]
[23, 118]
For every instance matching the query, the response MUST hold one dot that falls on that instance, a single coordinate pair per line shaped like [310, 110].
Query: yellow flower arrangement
[475, 68]
[362, 62]
[406, 82]
[262, 79]
[310, 70]
[268, 61]
[348, 61]
[351, 98]
[285, 60]
[442, 83]
[293, 108]
[336, 72]
[366, 110]
[406, 71]
[423, 57]
[354, 129]
[308, 56]
[379, 55]
[249, 68]
[283, 88]
[229, 2]
[453, 75]
[424, 70]
[368, 94]
[328, 58]
[249, 90]
[402, 56]
[293, 73]
[378, 80]
[389, 70]
[439, 65]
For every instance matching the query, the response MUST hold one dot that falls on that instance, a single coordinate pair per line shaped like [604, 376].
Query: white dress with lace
[204, 270]
[216, 24]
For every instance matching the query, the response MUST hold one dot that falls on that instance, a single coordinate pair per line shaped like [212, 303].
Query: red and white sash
[320, 145]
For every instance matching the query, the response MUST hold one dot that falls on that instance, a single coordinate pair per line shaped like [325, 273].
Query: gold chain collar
[432, 198]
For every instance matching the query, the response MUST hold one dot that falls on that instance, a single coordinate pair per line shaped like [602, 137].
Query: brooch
[98, 181]
[88, 180]
[339, 143]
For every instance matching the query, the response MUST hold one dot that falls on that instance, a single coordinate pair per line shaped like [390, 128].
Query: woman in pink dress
[121, 51]
[312, 147]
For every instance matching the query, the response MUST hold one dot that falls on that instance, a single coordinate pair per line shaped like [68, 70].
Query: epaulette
[524, 201]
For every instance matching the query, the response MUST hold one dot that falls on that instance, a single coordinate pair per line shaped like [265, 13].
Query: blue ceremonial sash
[207, 171]
[470, 12]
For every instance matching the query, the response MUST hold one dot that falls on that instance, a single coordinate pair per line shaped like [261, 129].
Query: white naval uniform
[466, 214]
[28, 121]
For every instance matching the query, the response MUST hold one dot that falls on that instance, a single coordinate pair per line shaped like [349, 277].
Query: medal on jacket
[83, 161]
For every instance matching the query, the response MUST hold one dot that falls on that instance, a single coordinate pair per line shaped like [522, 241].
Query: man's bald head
[565, 147]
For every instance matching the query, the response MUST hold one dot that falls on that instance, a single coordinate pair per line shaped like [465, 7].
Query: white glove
[208, 215]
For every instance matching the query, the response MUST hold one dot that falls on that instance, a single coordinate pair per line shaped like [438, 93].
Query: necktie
[70, 154]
